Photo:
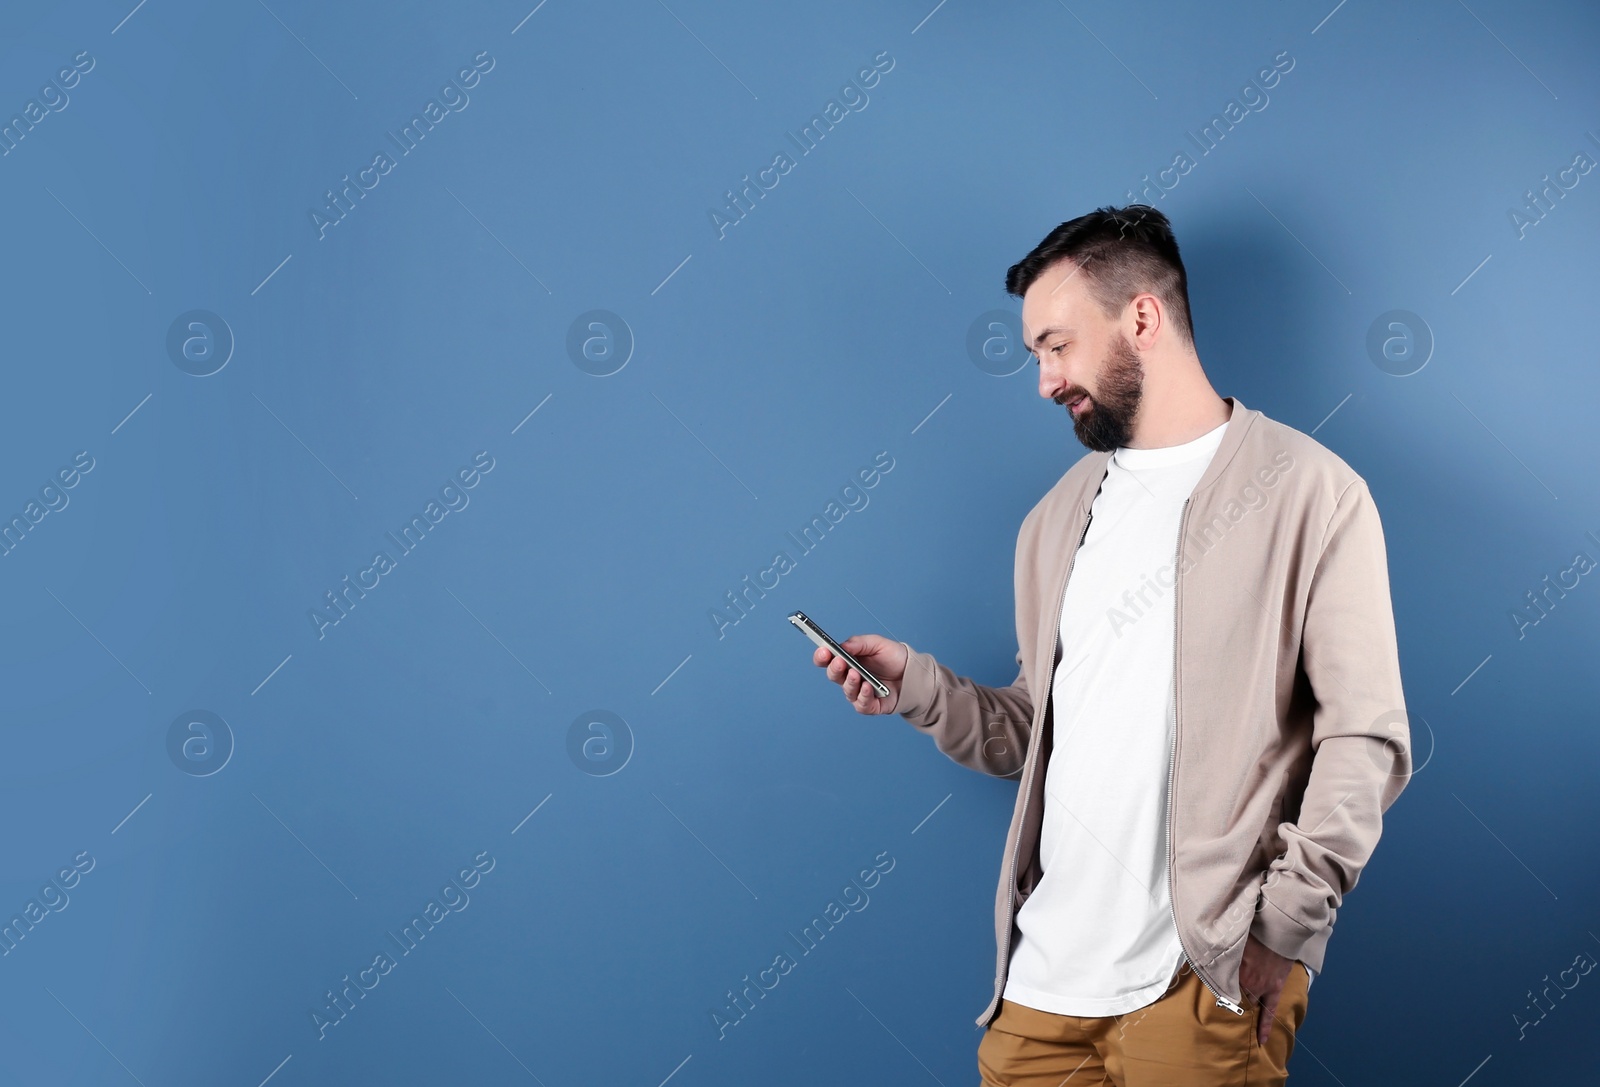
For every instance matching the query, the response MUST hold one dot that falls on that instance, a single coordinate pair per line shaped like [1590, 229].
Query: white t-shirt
[1097, 933]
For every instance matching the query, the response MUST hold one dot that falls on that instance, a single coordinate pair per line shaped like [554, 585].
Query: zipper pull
[1224, 1002]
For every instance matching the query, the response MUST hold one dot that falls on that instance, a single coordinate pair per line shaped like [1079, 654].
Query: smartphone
[803, 623]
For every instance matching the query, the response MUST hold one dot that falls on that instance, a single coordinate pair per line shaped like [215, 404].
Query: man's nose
[1049, 382]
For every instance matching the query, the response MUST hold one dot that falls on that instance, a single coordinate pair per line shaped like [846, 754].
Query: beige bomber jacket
[1292, 737]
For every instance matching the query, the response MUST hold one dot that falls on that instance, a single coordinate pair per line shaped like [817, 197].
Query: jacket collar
[1239, 420]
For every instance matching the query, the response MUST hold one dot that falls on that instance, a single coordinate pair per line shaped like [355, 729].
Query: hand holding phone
[867, 666]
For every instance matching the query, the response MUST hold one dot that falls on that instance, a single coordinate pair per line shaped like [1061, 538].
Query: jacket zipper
[1172, 777]
[1027, 785]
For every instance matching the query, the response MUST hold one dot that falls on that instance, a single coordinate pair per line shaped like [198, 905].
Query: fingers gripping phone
[803, 623]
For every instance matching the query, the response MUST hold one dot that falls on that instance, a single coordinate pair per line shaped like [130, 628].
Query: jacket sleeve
[1360, 738]
[982, 728]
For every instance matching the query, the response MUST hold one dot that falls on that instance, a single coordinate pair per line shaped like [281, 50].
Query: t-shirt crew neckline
[1163, 456]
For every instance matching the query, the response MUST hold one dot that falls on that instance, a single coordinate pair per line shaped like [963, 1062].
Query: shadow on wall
[1253, 302]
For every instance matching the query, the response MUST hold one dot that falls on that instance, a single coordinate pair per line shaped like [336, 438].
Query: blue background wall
[254, 807]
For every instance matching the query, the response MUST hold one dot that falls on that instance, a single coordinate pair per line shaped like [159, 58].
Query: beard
[1107, 423]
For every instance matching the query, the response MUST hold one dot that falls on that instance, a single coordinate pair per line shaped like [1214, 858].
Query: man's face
[1086, 363]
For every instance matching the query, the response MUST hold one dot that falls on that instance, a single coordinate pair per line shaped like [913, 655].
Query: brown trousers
[1183, 1039]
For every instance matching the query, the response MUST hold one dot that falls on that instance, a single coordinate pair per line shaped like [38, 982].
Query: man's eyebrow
[1051, 331]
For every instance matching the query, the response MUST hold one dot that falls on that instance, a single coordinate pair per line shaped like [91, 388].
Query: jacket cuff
[917, 686]
[1280, 932]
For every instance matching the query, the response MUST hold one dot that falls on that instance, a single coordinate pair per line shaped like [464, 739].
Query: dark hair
[1122, 252]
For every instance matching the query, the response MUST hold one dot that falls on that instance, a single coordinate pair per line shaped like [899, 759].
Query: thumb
[1269, 1011]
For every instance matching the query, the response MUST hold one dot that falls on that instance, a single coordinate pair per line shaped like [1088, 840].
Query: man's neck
[1187, 419]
